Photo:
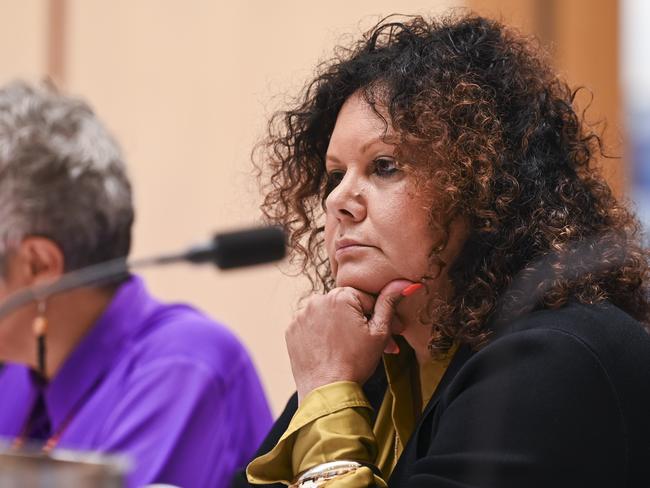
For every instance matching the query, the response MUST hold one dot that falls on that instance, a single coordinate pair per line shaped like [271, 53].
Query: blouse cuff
[332, 423]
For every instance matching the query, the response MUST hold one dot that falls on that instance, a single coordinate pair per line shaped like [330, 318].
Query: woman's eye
[333, 180]
[385, 167]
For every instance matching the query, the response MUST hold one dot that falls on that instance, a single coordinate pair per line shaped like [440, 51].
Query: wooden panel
[586, 49]
[56, 30]
[522, 14]
[583, 38]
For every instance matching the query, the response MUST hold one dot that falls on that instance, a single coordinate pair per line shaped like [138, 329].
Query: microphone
[241, 248]
[226, 250]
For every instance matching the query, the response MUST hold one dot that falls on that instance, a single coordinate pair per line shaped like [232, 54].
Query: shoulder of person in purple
[164, 384]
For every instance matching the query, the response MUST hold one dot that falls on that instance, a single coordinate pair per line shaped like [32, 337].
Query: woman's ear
[40, 260]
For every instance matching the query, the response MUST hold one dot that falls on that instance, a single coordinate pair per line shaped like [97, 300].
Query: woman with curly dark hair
[440, 191]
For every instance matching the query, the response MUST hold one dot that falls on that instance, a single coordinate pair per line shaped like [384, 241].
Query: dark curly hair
[492, 132]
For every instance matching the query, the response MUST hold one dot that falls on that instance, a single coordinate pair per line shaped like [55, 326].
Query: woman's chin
[369, 282]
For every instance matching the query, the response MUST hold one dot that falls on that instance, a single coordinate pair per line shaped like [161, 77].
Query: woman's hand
[330, 339]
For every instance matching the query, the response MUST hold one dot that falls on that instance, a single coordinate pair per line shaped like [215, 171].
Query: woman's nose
[347, 201]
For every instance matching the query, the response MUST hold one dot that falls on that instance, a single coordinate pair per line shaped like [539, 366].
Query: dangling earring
[39, 327]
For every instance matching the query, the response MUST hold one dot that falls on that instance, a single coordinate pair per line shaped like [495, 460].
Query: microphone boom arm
[228, 250]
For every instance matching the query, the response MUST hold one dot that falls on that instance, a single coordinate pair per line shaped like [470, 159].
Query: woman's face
[377, 228]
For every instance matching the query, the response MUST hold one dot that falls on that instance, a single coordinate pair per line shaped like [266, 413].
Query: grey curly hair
[62, 176]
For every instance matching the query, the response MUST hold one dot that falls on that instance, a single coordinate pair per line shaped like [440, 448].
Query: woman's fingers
[341, 335]
[391, 346]
[366, 301]
[385, 306]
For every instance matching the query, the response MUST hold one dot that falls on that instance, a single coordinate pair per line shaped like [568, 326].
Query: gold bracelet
[318, 475]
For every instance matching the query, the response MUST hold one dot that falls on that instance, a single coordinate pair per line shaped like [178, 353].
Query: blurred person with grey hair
[105, 368]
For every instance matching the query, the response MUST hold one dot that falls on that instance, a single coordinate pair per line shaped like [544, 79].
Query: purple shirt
[163, 384]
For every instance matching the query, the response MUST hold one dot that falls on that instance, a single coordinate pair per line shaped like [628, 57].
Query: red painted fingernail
[392, 347]
[409, 290]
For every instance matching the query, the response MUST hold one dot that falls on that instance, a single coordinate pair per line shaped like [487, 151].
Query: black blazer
[559, 399]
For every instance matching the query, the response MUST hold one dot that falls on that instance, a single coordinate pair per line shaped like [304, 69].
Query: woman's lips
[350, 250]
[344, 248]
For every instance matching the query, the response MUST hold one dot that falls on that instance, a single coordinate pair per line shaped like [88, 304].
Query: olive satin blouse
[334, 422]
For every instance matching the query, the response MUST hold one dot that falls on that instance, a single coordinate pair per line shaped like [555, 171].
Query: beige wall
[186, 86]
[23, 39]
